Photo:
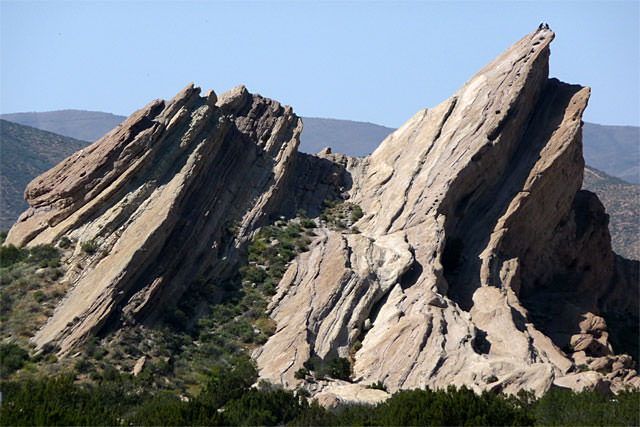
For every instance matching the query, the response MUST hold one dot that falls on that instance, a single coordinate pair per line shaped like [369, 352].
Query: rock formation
[478, 260]
[474, 230]
[165, 197]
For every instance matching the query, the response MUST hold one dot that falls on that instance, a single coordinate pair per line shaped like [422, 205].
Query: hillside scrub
[29, 290]
[228, 398]
[213, 322]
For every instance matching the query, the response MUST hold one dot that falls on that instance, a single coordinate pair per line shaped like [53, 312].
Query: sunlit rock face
[478, 260]
[158, 196]
[478, 257]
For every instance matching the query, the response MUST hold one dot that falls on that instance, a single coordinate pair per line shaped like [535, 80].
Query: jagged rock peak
[157, 196]
[470, 227]
[477, 261]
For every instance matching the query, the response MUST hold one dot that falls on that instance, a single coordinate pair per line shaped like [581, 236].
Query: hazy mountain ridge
[622, 200]
[613, 149]
[26, 152]
[79, 124]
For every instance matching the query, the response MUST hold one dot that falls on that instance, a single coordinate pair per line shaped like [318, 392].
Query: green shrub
[356, 213]
[6, 302]
[89, 247]
[110, 373]
[12, 358]
[38, 296]
[64, 242]
[266, 325]
[256, 407]
[308, 223]
[82, 366]
[43, 253]
[10, 255]
[226, 383]
[253, 274]
[565, 407]
[301, 373]
[339, 368]
[379, 385]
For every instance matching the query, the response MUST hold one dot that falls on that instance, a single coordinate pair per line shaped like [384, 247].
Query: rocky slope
[478, 260]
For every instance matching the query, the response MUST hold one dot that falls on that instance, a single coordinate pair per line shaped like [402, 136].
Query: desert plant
[89, 247]
[64, 242]
[301, 373]
[378, 385]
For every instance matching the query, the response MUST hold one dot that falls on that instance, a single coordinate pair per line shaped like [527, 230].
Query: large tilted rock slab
[478, 260]
[475, 207]
[167, 197]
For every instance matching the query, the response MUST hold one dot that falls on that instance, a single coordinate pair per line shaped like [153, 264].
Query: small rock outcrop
[477, 261]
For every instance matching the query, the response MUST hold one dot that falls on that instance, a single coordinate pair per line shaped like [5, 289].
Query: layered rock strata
[473, 220]
[478, 260]
[166, 197]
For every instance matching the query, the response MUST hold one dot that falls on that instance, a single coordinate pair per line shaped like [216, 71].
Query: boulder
[584, 380]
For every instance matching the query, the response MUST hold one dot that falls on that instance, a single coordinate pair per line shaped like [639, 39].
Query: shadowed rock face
[479, 261]
[158, 195]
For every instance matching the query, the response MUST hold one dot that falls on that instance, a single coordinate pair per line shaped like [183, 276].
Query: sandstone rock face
[474, 228]
[158, 196]
[478, 260]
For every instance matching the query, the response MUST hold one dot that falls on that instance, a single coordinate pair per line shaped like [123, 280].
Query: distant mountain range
[622, 202]
[78, 124]
[612, 153]
[612, 149]
[25, 153]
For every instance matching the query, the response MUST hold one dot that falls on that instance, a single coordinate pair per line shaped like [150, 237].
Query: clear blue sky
[371, 61]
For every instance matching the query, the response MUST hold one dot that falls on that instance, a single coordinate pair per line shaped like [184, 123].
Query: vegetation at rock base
[333, 367]
[378, 385]
[197, 371]
[30, 288]
[213, 323]
[228, 398]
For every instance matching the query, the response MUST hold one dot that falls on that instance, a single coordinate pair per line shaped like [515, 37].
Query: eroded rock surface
[478, 260]
[474, 230]
[167, 197]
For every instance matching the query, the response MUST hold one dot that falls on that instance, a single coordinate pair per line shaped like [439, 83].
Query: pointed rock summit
[478, 256]
[477, 260]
